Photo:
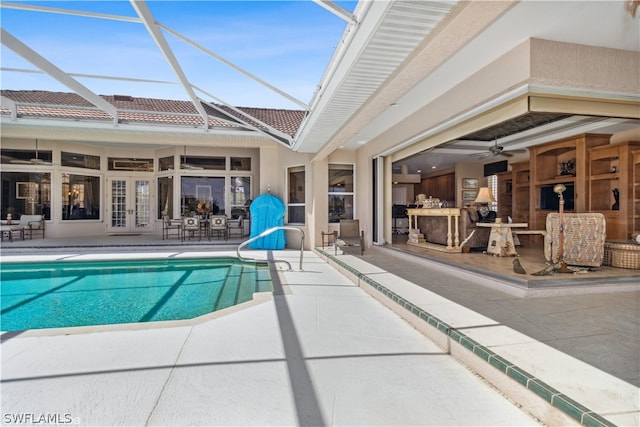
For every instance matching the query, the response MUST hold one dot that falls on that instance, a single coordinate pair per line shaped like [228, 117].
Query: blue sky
[285, 43]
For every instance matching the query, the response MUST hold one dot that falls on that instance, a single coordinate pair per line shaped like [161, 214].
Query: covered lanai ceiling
[397, 105]
[376, 80]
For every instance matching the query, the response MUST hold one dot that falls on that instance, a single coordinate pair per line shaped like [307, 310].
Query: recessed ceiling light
[433, 167]
[419, 170]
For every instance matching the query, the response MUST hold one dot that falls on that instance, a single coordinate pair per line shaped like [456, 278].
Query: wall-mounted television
[551, 201]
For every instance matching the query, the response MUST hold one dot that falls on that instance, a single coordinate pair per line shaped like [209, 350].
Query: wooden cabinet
[611, 171]
[636, 191]
[520, 191]
[443, 187]
[505, 195]
[560, 162]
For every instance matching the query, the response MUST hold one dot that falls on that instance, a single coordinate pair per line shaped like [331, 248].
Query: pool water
[65, 294]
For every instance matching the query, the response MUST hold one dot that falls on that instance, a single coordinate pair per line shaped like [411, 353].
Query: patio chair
[237, 225]
[218, 224]
[29, 224]
[190, 226]
[350, 236]
[169, 224]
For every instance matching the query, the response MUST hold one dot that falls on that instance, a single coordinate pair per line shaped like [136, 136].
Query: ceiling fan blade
[190, 167]
[20, 162]
[484, 153]
[37, 161]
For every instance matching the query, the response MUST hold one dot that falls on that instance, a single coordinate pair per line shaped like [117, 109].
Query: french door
[129, 205]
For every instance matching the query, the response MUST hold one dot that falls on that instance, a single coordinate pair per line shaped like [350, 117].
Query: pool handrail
[266, 233]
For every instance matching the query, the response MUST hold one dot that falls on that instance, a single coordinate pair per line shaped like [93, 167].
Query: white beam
[34, 8]
[235, 67]
[149, 22]
[32, 56]
[337, 10]
[272, 133]
[90, 76]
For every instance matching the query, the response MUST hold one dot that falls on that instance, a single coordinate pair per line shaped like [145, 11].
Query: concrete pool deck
[347, 367]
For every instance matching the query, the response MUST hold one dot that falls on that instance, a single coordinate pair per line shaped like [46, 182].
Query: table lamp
[485, 196]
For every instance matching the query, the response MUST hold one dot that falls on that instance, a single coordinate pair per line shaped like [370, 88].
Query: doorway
[129, 205]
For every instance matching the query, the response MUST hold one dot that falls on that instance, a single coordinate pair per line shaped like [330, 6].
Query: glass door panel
[142, 204]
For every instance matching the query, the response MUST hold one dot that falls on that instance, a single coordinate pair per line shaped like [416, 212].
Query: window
[241, 163]
[80, 197]
[130, 165]
[165, 196]
[201, 195]
[208, 163]
[295, 203]
[26, 157]
[341, 186]
[492, 183]
[166, 163]
[76, 160]
[25, 193]
[240, 196]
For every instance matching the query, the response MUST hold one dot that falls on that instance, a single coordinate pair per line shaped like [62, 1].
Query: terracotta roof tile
[60, 105]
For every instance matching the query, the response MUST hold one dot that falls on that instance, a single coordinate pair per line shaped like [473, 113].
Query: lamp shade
[485, 195]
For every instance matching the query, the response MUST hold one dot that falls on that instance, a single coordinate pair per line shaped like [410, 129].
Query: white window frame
[344, 193]
[288, 183]
[492, 183]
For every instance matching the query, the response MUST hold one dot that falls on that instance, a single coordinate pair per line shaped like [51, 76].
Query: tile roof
[70, 106]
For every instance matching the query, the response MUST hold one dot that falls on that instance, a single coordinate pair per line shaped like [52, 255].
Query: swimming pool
[86, 293]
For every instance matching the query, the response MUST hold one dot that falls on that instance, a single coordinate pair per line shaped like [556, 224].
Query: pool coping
[258, 298]
[539, 398]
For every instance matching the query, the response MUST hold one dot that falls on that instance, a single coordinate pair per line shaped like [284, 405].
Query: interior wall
[403, 194]
[468, 170]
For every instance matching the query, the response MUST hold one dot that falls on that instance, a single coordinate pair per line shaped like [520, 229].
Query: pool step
[240, 285]
[247, 286]
[227, 296]
[263, 279]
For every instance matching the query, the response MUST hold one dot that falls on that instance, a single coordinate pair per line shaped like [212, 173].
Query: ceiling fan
[33, 161]
[497, 150]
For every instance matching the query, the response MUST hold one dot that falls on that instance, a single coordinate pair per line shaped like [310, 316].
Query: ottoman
[584, 237]
[6, 230]
[622, 254]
